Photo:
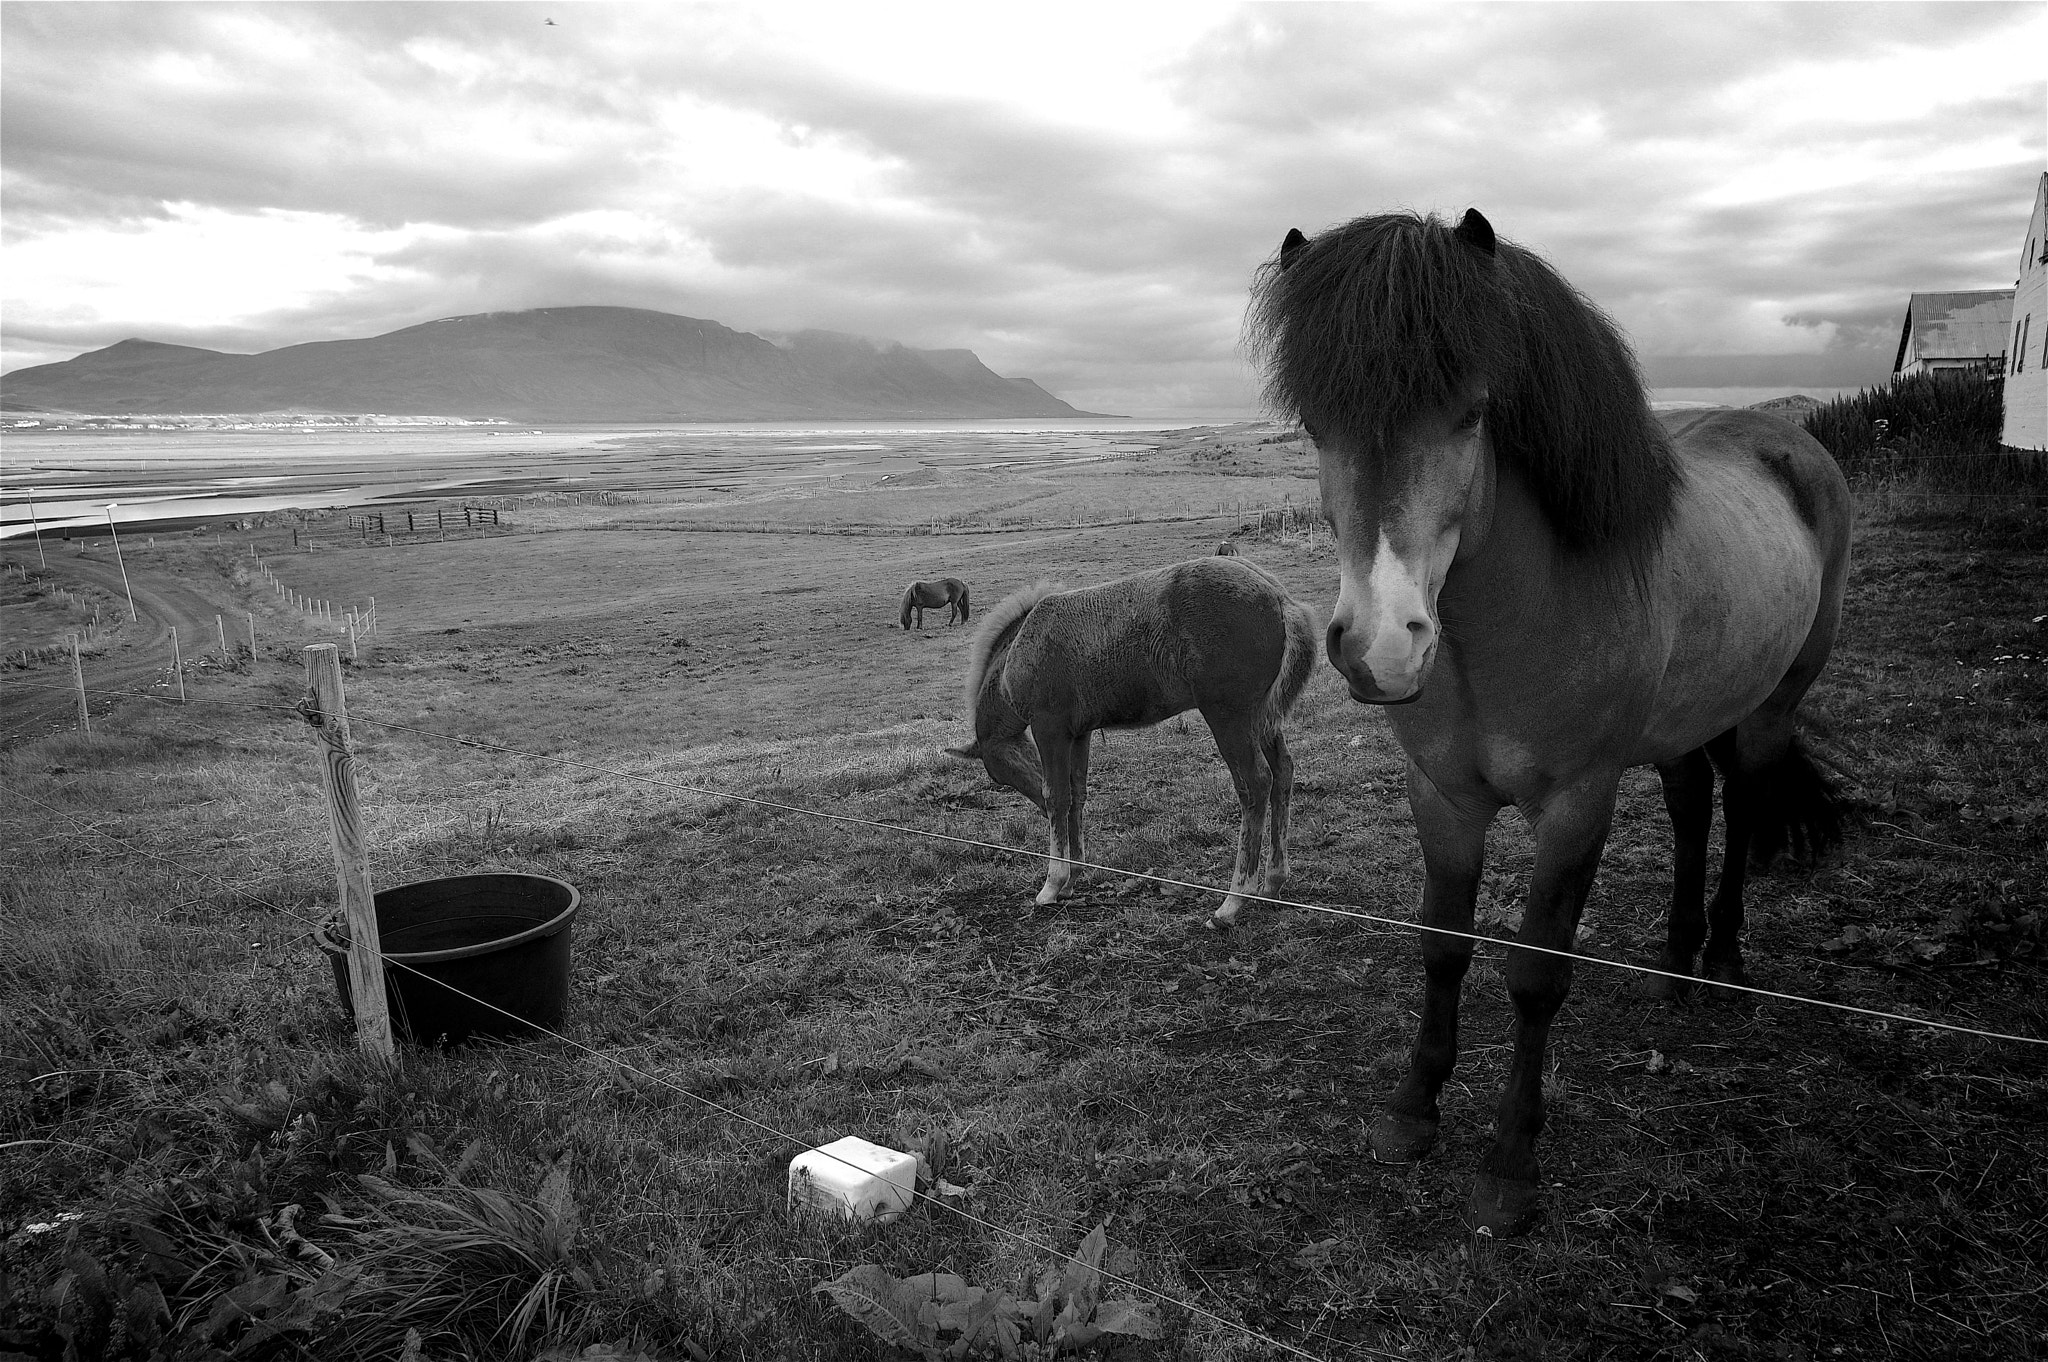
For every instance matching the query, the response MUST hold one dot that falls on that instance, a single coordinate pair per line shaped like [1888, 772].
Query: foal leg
[1077, 803]
[1453, 836]
[1282, 767]
[1689, 800]
[1571, 831]
[1240, 750]
[1056, 755]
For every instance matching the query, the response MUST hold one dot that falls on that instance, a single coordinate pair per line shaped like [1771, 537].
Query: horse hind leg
[1240, 750]
[1689, 801]
[1773, 798]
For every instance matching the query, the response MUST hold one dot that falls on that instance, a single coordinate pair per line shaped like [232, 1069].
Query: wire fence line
[661, 1080]
[1380, 921]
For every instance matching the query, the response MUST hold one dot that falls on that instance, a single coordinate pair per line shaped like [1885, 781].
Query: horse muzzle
[1375, 680]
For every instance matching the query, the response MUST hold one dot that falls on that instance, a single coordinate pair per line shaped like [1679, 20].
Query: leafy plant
[942, 1315]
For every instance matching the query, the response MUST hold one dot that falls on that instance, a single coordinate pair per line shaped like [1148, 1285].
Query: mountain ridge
[567, 363]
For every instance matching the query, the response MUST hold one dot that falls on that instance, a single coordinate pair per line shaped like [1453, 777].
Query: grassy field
[221, 1176]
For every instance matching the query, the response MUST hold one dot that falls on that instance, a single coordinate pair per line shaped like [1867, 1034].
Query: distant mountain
[555, 363]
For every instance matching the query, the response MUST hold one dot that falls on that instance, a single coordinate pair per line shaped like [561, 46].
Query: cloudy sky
[1079, 193]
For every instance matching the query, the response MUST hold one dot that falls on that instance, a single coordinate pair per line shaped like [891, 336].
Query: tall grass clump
[1930, 434]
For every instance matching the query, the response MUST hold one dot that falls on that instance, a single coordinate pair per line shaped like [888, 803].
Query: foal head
[1002, 740]
[1416, 355]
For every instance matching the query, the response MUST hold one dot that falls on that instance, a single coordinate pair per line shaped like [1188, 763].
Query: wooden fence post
[252, 635]
[326, 709]
[78, 675]
[177, 665]
[222, 625]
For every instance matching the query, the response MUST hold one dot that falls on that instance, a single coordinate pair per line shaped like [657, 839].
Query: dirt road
[166, 597]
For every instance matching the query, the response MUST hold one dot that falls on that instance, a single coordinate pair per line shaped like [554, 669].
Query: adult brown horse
[1548, 588]
[950, 592]
[1219, 635]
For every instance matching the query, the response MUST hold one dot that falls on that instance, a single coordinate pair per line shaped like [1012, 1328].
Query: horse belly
[1742, 585]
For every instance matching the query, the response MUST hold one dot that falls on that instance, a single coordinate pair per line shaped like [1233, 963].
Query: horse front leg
[1453, 837]
[1739, 800]
[1240, 750]
[1689, 801]
[1571, 832]
[1056, 754]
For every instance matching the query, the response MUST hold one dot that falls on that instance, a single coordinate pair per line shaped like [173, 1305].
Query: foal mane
[1366, 323]
[1007, 614]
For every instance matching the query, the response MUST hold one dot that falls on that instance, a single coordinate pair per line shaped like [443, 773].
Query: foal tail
[1793, 806]
[1297, 661]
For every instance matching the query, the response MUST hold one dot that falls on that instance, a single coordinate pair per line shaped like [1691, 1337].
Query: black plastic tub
[500, 939]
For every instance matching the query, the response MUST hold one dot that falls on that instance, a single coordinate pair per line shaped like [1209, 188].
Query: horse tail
[1793, 805]
[963, 602]
[909, 599]
[1297, 660]
[1007, 614]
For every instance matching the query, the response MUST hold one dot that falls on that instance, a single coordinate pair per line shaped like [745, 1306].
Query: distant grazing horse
[1217, 635]
[1226, 549]
[950, 592]
[1548, 588]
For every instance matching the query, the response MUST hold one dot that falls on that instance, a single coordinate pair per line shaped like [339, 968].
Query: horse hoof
[1501, 1207]
[1225, 917]
[1661, 988]
[1047, 895]
[1726, 972]
[1397, 1139]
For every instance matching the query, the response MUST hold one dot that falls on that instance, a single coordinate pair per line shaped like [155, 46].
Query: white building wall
[2026, 367]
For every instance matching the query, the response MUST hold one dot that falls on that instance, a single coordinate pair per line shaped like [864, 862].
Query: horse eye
[1472, 417]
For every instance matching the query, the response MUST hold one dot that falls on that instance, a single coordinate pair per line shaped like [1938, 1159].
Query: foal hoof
[1501, 1207]
[1400, 1139]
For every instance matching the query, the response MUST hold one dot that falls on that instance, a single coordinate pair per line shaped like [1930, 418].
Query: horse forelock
[1377, 319]
[996, 623]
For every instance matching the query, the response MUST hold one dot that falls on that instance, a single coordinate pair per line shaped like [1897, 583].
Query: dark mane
[1370, 321]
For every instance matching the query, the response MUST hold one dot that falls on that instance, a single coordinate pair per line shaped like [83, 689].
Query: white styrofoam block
[854, 1177]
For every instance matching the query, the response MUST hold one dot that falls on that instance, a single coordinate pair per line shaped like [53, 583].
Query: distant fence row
[376, 522]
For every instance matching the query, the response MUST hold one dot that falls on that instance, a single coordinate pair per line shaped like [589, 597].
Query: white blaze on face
[1401, 619]
[1387, 618]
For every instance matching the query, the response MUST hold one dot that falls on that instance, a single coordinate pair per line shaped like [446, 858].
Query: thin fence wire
[1351, 913]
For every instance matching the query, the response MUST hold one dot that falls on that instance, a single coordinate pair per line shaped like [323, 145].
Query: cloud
[1079, 194]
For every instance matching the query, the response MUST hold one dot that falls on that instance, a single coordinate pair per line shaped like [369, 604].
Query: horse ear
[1293, 242]
[1474, 230]
[971, 752]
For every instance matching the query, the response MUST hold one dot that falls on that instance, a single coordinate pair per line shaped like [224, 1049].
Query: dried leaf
[558, 1205]
[1128, 1317]
[879, 1301]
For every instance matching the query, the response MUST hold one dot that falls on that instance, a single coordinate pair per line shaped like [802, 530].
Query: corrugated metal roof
[1966, 325]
